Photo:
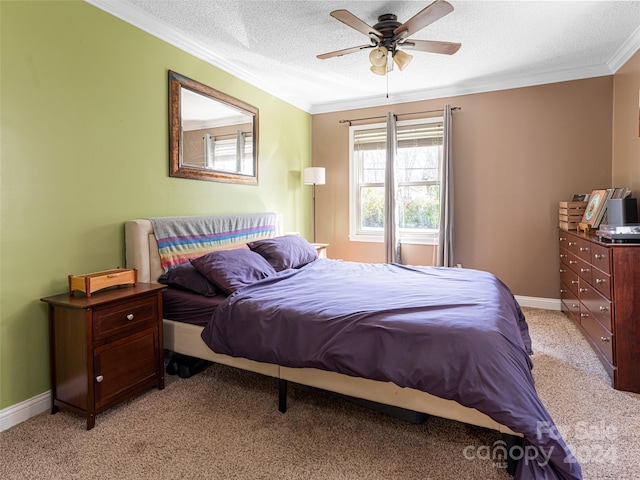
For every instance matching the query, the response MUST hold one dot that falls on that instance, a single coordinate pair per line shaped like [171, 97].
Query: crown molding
[140, 19]
[625, 52]
[489, 84]
[161, 30]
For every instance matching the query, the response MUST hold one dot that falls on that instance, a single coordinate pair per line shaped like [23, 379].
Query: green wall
[84, 147]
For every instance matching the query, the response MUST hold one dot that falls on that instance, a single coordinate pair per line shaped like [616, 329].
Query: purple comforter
[455, 333]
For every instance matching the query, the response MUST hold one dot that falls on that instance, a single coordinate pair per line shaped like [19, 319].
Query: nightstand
[105, 348]
[321, 248]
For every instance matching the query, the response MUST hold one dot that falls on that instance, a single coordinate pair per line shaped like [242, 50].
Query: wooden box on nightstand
[105, 348]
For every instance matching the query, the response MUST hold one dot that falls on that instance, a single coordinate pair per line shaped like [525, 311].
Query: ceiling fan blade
[432, 46]
[348, 18]
[339, 53]
[426, 16]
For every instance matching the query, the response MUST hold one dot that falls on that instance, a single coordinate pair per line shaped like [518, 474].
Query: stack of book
[570, 214]
[596, 211]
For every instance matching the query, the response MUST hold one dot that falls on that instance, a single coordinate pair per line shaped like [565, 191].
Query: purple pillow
[186, 276]
[230, 270]
[289, 251]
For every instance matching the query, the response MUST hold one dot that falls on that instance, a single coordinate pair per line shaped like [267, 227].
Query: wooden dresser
[600, 292]
[105, 348]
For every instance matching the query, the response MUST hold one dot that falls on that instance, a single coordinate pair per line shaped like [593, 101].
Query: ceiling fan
[388, 36]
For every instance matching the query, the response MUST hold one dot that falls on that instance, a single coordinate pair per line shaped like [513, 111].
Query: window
[419, 154]
[234, 155]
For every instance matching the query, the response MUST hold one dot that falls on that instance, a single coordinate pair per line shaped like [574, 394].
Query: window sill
[426, 240]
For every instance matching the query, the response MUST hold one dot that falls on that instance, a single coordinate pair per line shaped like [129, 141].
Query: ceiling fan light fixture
[379, 70]
[378, 57]
[402, 59]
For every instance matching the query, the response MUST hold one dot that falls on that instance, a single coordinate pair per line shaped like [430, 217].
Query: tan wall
[516, 153]
[626, 128]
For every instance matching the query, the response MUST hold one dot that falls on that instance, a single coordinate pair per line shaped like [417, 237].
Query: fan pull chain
[387, 75]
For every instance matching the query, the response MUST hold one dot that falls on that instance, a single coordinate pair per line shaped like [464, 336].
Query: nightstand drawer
[125, 317]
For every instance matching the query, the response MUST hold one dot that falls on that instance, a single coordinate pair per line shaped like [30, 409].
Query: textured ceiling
[505, 44]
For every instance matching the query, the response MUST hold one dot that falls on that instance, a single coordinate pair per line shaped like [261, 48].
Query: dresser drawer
[583, 249]
[569, 278]
[601, 258]
[601, 337]
[600, 307]
[125, 317]
[583, 269]
[572, 261]
[602, 282]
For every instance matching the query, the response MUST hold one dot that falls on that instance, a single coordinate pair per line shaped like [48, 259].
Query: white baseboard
[536, 302]
[23, 411]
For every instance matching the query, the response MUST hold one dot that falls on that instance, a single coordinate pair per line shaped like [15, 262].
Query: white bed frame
[142, 254]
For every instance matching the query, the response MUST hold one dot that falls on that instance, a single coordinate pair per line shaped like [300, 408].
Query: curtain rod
[453, 109]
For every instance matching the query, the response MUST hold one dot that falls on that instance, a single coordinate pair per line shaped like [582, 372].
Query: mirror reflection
[212, 135]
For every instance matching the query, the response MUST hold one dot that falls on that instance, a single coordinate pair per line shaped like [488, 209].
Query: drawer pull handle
[604, 309]
[562, 270]
[582, 270]
[574, 305]
[584, 249]
[562, 290]
[582, 290]
[99, 378]
[584, 314]
[599, 256]
[605, 339]
[574, 282]
[599, 280]
[563, 239]
[572, 243]
[571, 262]
[562, 255]
[130, 316]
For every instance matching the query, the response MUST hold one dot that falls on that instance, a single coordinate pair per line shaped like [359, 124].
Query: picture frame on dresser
[596, 204]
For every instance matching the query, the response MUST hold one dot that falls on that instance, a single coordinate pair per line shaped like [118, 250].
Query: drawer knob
[604, 309]
[99, 378]
[599, 280]
[605, 339]
[130, 316]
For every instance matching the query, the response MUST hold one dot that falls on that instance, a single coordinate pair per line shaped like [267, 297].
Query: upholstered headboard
[141, 248]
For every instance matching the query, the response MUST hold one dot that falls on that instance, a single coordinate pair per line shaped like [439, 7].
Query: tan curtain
[391, 234]
[446, 232]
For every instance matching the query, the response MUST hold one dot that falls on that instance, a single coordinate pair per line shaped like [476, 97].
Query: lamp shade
[379, 70]
[378, 57]
[402, 59]
[313, 176]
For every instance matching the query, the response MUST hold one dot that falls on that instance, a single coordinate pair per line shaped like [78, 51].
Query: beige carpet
[224, 424]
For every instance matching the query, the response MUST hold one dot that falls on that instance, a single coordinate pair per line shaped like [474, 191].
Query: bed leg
[282, 395]
[511, 441]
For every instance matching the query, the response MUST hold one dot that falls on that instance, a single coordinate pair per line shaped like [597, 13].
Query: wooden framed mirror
[212, 136]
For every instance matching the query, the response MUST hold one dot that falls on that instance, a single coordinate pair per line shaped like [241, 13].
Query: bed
[502, 398]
